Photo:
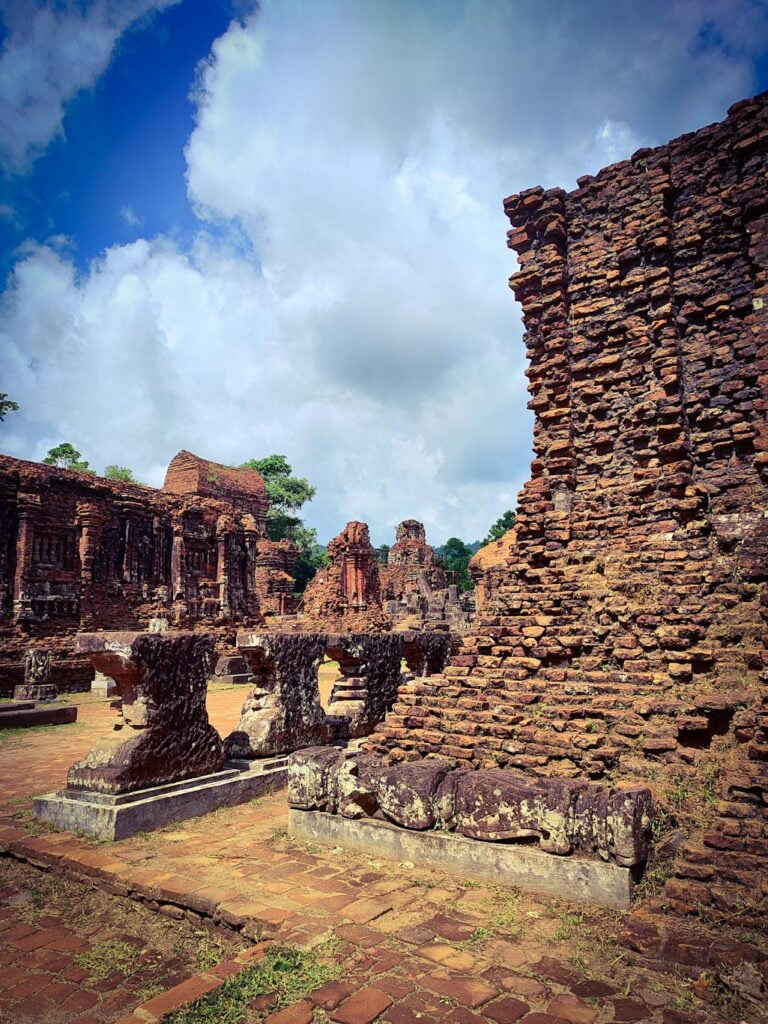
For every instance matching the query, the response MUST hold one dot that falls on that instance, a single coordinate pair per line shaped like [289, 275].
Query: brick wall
[624, 634]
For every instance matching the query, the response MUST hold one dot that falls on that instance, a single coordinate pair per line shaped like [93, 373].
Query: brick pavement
[416, 945]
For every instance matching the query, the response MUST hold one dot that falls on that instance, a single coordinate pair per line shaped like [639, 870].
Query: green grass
[568, 922]
[502, 909]
[288, 972]
[209, 952]
[107, 957]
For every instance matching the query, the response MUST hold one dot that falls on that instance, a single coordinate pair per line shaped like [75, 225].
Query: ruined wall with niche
[345, 596]
[79, 552]
[623, 632]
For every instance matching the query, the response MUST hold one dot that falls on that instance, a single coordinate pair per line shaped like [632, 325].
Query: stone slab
[22, 717]
[571, 878]
[111, 817]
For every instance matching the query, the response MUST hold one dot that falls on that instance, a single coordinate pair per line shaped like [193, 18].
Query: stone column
[178, 571]
[252, 552]
[90, 520]
[223, 532]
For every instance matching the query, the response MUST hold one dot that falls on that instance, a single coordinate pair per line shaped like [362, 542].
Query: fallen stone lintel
[23, 715]
[110, 817]
[570, 878]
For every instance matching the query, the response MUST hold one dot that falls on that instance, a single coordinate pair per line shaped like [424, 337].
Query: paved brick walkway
[416, 945]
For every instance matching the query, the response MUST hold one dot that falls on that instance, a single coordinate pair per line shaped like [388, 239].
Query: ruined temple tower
[622, 634]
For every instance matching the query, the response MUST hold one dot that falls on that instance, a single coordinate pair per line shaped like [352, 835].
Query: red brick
[299, 1013]
[363, 1007]
[506, 1010]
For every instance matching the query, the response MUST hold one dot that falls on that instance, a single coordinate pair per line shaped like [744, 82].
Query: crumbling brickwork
[623, 632]
[354, 593]
[345, 596]
[414, 587]
[79, 552]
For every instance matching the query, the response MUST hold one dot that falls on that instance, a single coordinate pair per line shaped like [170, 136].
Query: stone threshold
[24, 714]
[110, 817]
[575, 879]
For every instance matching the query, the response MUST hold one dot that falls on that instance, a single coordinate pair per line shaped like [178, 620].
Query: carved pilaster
[28, 508]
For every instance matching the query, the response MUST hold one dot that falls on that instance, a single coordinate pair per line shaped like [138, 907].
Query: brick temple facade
[79, 552]
[354, 592]
[622, 634]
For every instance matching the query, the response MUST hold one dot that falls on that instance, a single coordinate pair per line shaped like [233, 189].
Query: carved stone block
[163, 734]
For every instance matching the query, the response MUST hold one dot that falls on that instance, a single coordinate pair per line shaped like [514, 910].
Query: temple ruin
[410, 592]
[79, 552]
[621, 630]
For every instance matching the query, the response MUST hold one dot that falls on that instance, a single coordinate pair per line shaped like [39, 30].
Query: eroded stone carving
[37, 684]
[282, 711]
[494, 805]
[163, 734]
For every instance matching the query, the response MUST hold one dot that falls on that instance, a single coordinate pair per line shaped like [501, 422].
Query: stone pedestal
[162, 734]
[110, 816]
[103, 685]
[37, 683]
[41, 693]
[571, 878]
[283, 711]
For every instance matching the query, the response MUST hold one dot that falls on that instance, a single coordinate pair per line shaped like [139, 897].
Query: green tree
[65, 456]
[6, 405]
[501, 526]
[287, 494]
[455, 556]
[382, 553]
[121, 473]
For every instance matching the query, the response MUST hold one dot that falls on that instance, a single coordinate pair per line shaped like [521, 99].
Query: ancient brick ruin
[354, 592]
[415, 589]
[622, 636]
[346, 594]
[80, 552]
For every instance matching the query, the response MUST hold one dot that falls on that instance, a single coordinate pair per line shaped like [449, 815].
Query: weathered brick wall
[345, 596]
[623, 634]
[78, 552]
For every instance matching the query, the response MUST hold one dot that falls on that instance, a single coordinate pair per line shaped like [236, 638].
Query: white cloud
[51, 52]
[130, 218]
[349, 306]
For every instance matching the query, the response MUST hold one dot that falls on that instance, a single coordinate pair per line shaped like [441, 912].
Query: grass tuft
[287, 972]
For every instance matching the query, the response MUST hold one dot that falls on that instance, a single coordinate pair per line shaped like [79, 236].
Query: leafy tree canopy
[287, 493]
[382, 553]
[501, 526]
[6, 405]
[121, 473]
[66, 456]
[455, 556]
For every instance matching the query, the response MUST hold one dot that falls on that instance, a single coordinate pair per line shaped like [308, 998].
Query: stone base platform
[110, 817]
[571, 878]
[21, 714]
[41, 693]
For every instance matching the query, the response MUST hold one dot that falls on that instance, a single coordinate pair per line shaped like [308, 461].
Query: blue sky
[242, 231]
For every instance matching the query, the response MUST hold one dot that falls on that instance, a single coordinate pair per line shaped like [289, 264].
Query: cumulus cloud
[51, 52]
[345, 301]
